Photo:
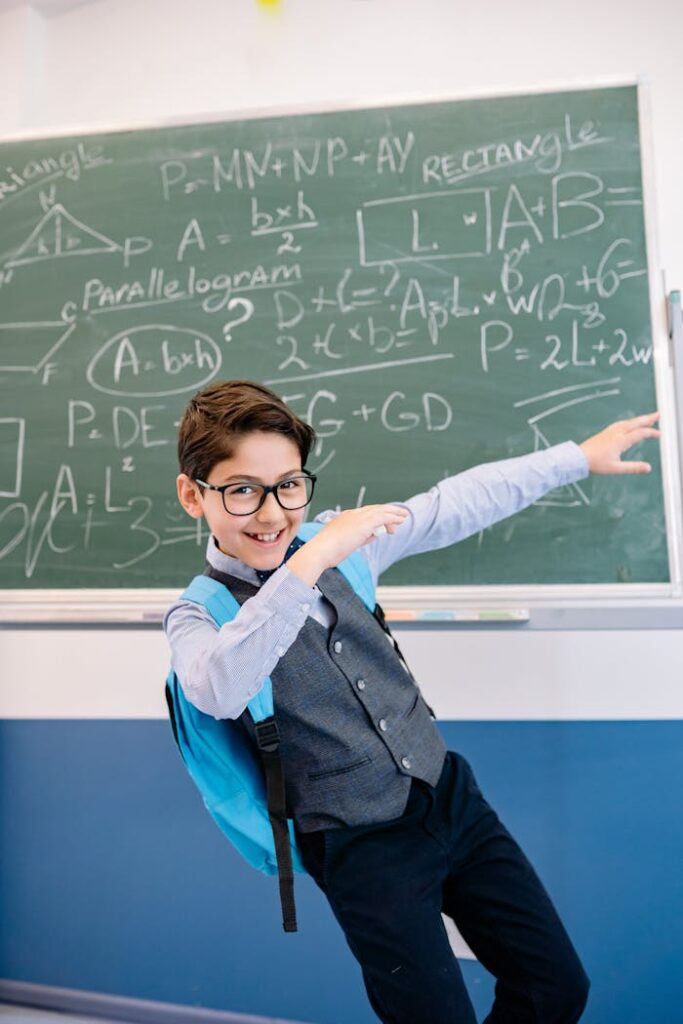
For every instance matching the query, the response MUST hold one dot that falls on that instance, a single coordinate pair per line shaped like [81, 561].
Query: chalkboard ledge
[537, 607]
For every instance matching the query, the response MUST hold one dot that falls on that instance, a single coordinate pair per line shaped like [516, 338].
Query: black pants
[448, 853]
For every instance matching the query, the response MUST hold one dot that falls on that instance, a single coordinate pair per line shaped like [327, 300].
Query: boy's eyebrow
[257, 480]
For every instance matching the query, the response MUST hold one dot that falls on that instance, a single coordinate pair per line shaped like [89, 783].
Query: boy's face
[262, 458]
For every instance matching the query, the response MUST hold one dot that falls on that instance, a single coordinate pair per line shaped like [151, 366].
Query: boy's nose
[269, 508]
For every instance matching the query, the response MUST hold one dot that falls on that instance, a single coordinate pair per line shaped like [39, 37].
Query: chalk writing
[427, 286]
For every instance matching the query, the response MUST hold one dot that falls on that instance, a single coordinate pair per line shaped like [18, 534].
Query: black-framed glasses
[245, 498]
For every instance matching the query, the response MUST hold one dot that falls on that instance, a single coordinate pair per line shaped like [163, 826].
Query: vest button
[407, 763]
[337, 646]
[383, 724]
[360, 683]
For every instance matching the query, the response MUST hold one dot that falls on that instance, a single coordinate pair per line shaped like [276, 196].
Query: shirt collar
[235, 567]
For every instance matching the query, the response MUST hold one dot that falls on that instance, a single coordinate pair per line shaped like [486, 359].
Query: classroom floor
[27, 1015]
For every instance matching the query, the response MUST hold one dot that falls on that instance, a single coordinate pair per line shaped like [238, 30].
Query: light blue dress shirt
[220, 670]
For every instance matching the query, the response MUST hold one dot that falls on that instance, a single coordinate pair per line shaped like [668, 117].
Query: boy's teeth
[265, 536]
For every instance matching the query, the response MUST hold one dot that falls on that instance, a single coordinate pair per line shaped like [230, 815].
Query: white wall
[127, 62]
[22, 40]
[122, 62]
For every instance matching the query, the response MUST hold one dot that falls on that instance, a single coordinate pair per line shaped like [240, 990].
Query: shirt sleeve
[220, 670]
[462, 505]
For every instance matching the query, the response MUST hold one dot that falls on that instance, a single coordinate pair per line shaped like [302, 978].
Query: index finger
[641, 421]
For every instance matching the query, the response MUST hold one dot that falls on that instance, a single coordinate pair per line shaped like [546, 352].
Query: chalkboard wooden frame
[82, 605]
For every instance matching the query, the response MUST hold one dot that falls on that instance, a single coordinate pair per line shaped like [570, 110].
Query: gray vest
[354, 730]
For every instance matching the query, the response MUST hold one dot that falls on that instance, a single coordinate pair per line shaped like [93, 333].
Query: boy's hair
[217, 417]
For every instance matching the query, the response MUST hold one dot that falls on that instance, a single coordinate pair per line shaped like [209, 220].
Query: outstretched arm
[469, 502]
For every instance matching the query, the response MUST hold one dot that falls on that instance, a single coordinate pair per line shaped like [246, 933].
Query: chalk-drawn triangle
[28, 347]
[568, 496]
[59, 234]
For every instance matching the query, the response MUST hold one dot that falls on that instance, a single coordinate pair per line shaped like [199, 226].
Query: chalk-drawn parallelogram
[27, 347]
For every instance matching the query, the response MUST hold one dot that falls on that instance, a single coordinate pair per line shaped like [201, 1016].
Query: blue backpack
[245, 793]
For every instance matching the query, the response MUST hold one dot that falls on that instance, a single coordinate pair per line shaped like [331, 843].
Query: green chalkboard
[431, 286]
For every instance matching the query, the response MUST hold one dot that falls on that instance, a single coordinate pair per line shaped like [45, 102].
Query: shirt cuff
[572, 464]
[288, 596]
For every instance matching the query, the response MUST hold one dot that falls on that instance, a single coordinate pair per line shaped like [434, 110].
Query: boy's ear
[188, 496]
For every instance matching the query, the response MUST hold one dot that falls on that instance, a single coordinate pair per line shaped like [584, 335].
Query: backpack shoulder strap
[223, 607]
[356, 571]
[216, 598]
[355, 568]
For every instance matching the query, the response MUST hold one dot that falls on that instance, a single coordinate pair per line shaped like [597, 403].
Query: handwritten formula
[429, 286]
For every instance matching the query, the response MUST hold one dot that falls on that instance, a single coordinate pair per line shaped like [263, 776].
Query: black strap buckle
[267, 735]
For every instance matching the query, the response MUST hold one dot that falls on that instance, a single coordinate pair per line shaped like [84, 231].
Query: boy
[392, 827]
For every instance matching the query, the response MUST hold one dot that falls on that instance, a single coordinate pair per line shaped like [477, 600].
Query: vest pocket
[314, 776]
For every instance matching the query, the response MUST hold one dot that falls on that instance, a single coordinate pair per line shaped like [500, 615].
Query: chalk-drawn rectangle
[12, 431]
[432, 226]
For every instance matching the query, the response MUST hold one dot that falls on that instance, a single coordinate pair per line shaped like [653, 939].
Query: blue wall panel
[114, 879]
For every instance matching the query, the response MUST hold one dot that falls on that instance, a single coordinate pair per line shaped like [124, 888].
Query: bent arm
[221, 669]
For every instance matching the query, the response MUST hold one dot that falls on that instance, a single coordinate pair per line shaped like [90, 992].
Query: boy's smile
[260, 539]
[265, 541]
